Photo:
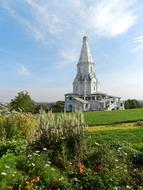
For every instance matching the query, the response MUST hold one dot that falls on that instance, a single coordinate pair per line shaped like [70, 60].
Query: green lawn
[117, 133]
[112, 117]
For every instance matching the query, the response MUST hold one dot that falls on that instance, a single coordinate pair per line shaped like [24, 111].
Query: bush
[10, 177]
[62, 135]
[16, 147]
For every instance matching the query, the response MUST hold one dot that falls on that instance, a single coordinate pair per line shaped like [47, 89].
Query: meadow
[129, 133]
[113, 117]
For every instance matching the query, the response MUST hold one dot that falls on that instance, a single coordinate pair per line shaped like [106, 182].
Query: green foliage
[41, 106]
[132, 104]
[22, 102]
[134, 136]
[13, 126]
[58, 106]
[62, 134]
[16, 147]
[10, 177]
[113, 117]
[59, 153]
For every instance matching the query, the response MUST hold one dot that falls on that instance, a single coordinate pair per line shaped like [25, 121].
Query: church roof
[85, 55]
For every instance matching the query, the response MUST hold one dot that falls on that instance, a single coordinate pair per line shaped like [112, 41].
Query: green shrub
[18, 146]
[62, 135]
[10, 177]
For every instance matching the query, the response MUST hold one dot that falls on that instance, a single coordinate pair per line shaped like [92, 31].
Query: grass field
[113, 117]
[123, 133]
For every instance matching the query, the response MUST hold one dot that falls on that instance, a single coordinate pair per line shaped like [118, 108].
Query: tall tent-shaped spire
[85, 81]
[85, 55]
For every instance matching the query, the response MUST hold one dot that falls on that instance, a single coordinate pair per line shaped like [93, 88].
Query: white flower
[116, 160]
[3, 173]
[97, 144]
[47, 165]
[33, 164]
[7, 167]
[29, 155]
[13, 175]
[128, 187]
[44, 148]
[49, 162]
[37, 151]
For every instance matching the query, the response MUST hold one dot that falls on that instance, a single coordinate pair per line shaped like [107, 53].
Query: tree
[22, 102]
[58, 106]
[131, 104]
[41, 106]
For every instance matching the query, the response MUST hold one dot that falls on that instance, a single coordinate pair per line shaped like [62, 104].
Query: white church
[86, 94]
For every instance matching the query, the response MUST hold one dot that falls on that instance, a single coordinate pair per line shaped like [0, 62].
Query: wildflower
[33, 164]
[61, 178]
[3, 173]
[45, 149]
[97, 144]
[81, 169]
[37, 151]
[35, 180]
[128, 187]
[29, 155]
[49, 162]
[100, 167]
[116, 160]
[28, 185]
[7, 167]
[47, 165]
[13, 175]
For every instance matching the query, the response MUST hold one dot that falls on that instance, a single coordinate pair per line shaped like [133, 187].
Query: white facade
[86, 95]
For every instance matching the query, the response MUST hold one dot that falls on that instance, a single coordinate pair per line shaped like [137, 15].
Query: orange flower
[29, 184]
[81, 169]
[35, 180]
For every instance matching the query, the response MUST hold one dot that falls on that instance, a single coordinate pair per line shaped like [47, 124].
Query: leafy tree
[132, 103]
[58, 106]
[42, 106]
[22, 102]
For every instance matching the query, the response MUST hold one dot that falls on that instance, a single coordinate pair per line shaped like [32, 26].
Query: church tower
[85, 81]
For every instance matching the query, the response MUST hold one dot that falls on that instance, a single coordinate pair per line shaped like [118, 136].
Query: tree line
[24, 103]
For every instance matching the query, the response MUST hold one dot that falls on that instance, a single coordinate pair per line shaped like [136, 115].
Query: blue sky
[40, 43]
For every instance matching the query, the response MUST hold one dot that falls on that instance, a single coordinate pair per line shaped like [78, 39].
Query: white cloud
[138, 43]
[111, 18]
[101, 18]
[23, 70]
